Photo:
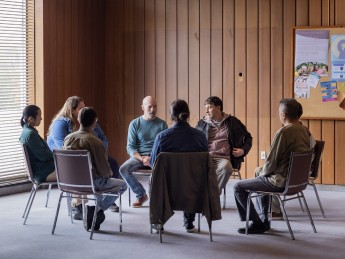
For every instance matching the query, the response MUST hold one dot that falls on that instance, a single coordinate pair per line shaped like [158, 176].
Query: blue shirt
[142, 133]
[61, 127]
[180, 138]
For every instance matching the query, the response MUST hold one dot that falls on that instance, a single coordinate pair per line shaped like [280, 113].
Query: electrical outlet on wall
[263, 155]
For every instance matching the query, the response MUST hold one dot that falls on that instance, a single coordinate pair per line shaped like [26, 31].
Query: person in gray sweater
[292, 137]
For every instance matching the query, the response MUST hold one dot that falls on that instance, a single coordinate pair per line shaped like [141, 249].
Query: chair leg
[69, 209]
[31, 201]
[57, 213]
[308, 211]
[160, 233]
[300, 203]
[318, 198]
[239, 174]
[69, 206]
[248, 212]
[94, 218]
[199, 222]
[129, 196]
[48, 193]
[120, 212]
[282, 207]
[270, 209]
[210, 231]
[224, 197]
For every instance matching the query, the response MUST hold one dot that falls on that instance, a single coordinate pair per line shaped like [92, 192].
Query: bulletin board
[319, 71]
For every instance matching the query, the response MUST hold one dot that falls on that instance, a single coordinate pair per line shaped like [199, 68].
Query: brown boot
[140, 201]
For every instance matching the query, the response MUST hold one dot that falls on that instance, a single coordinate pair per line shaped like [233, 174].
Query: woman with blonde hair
[66, 122]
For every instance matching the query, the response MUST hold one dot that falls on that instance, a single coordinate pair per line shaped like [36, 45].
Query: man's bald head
[149, 107]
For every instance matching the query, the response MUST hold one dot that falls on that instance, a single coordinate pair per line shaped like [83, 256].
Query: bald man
[141, 135]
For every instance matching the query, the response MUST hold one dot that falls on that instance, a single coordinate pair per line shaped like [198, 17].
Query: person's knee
[120, 185]
[123, 189]
[124, 186]
[124, 169]
[237, 187]
[228, 168]
[225, 170]
[127, 167]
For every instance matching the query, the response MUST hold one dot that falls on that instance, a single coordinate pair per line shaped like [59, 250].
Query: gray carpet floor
[34, 240]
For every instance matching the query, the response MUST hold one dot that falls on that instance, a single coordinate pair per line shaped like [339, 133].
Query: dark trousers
[188, 217]
[241, 189]
[114, 167]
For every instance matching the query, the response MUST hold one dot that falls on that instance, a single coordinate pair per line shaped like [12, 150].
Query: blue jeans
[126, 171]
[102, 183]
[241, 189]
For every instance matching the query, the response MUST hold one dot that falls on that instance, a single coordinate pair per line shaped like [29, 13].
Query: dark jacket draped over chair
[184, 181]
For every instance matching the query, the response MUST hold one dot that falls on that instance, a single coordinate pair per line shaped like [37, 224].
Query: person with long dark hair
[41, 157]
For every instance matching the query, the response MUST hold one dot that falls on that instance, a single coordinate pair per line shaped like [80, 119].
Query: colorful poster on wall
[338, 57]
[313, 79]
[302, 89]
[311, 59]
[329, 91]
[311, 54]
[319, 71]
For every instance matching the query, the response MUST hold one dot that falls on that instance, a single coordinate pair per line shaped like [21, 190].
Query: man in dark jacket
[181, 137]
[228, 139]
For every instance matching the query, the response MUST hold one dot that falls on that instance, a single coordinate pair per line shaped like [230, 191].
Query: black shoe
[100, 219]
[87, 220]
[189, 227]
[277, 215]
[156, 228]
[78, 212]
[256, 228]
[114, 208]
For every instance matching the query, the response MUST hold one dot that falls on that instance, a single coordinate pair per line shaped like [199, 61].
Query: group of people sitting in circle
[224, 136]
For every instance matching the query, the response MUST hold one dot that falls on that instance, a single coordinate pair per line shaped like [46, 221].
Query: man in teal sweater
[141, 135]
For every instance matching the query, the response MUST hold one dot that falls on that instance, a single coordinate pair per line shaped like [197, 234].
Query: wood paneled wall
[115, 52]
[74, 54]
